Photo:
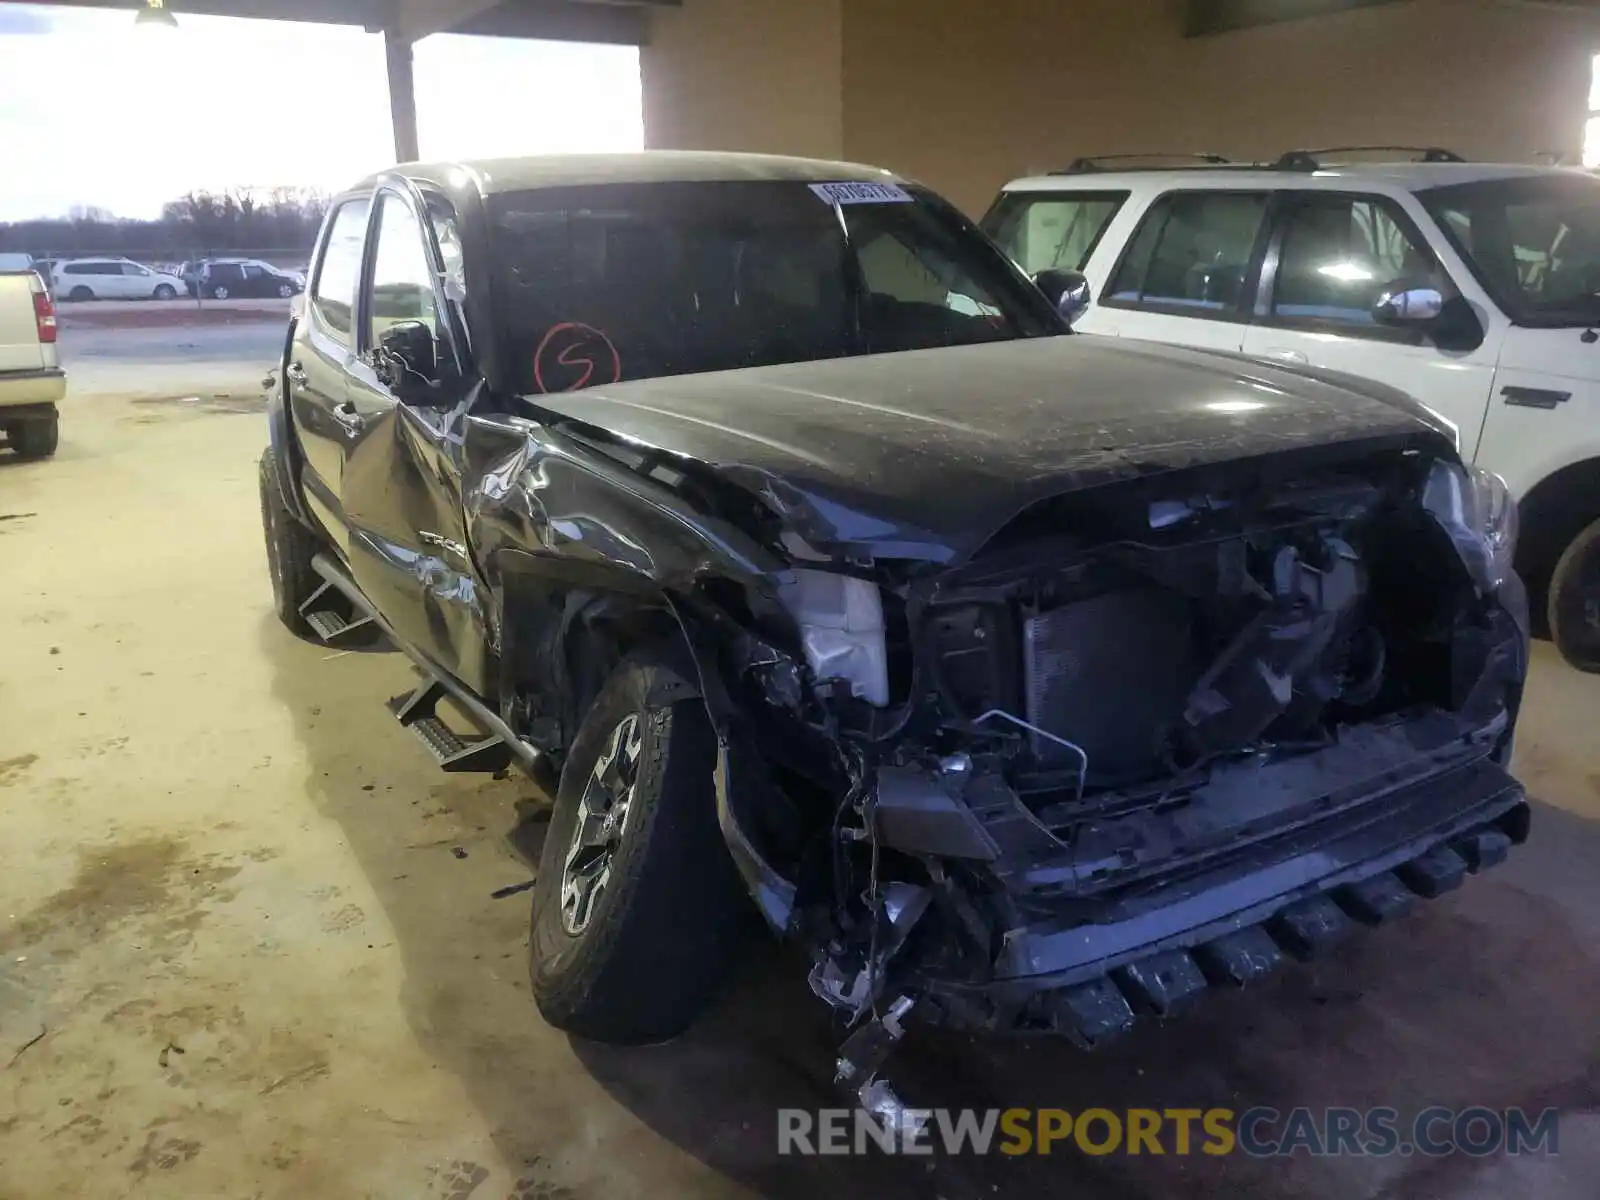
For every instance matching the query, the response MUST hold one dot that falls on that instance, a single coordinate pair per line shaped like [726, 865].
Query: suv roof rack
[1311, 160]
[1091, 163]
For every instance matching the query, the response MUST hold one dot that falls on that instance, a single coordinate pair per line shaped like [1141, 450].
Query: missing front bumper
[1159, 953]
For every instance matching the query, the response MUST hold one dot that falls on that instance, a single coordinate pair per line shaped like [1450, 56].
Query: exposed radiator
[1110, 673]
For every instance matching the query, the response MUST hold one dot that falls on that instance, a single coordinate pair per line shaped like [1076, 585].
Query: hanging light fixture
[154, 15]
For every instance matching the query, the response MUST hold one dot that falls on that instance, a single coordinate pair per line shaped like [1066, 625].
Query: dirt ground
[248, 948]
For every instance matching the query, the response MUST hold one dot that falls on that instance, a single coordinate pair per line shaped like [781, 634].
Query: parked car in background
[82, 279]
[1473, 287]
[31, 380]
[1028, 680]
[222, 278]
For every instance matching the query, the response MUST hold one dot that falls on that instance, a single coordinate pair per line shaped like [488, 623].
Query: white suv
[1475, 288]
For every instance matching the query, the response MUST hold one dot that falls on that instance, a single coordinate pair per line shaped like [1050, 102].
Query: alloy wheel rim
[601, 823]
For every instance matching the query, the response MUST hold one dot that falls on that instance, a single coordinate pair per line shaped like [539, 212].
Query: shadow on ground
[1486, 997]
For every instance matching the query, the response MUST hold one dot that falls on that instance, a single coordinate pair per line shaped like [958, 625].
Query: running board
[418, 712]
[500, 746]
[331, 626]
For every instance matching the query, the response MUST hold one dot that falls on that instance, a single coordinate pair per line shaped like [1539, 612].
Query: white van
[114, 279]
[1473, 287]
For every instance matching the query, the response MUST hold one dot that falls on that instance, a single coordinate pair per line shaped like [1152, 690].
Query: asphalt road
[170, 359]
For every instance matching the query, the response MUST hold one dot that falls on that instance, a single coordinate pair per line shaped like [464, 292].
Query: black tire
[219, 292]
[36, 438]
[290, 546]
[81, 294]
[664, 930]
[1573, 604]
[285, 290]
[166, 292]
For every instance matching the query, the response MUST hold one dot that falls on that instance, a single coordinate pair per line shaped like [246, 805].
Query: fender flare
[280, 433]
[772, 891]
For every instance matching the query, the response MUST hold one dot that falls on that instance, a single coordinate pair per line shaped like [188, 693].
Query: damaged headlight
[1477, 510]
[841, 629]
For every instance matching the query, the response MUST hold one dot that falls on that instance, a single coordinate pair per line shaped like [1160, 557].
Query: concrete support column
[402, 96]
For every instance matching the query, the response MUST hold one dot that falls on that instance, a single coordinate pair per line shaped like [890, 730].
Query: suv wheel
[1574, 601]
[80, 294]
[638, 910]
[36, 439]
[285, 290]
[220, 292]
[290, 546]
[166, 292]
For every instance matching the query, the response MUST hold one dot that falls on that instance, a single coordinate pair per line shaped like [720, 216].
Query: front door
[402, 466]
[1187, 275]
[1332, 255]
[320, 360]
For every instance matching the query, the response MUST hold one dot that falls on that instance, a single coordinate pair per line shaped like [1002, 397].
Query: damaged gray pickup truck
[1032, 681]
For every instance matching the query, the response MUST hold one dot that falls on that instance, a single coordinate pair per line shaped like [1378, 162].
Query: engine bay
[1147, 640]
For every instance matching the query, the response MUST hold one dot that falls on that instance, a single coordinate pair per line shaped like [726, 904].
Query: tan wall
[746, 75]
[965, 96]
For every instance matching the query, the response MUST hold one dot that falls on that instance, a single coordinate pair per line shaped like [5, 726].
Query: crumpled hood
[926, 454]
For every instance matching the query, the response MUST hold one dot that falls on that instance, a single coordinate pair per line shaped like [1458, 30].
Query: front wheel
[285, 290]
[80, 294]
[290, 547]
[166, 292]
[1574, 601]
[36, 438]
[638, 911]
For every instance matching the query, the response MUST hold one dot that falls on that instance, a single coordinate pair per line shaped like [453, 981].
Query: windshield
[613, 282]
[1534, 243]
[1051, 231]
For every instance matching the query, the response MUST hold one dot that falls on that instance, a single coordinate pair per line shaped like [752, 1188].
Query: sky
[96, 112]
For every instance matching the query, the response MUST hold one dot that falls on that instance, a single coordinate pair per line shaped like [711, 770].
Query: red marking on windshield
[582, 350]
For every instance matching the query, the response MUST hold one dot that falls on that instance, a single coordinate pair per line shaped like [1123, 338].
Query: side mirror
[406, 362]
[1069, 291]
[1450, 323]
[1399, 304]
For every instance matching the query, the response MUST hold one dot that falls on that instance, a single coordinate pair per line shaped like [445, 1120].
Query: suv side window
[1339, 254]
[334, 294]
[129, 268]
[1192, 254]
[1052, 231]
[402, 285]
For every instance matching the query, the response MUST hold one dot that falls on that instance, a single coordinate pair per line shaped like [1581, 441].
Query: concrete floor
[235, 903]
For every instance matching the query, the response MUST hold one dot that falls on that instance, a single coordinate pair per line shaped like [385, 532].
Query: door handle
[345, 413]
[296, 375]
[1289, 356]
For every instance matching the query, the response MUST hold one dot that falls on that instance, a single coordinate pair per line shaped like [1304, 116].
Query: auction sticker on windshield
[862, 193]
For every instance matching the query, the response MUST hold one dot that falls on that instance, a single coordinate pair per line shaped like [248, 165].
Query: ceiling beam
[564, 21]
[624, 22]
[370, 13]
[1205, 17]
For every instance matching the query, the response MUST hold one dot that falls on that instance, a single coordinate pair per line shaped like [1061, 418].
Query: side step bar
[499, 746]
[418, 713]
[332, 627]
